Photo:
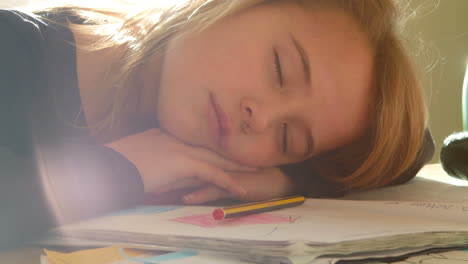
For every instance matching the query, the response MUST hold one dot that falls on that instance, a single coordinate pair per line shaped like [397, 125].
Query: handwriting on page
[206, 220]
[434, 205]
[463, 208]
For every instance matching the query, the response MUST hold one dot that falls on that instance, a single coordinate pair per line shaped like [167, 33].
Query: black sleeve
[86, 180]
[47, 182]
[59, 185]
[24, 213]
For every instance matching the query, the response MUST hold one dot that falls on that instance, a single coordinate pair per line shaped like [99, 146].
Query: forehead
[341, 65]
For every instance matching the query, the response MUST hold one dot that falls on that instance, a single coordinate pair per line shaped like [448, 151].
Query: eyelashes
[278, 70]
[284, 126]
[285, 137]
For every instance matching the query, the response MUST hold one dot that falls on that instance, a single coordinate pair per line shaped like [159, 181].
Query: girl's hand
[163, 161]
[265, 184]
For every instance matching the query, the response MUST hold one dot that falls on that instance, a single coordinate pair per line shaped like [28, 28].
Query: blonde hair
[397, 128]
[386, 150]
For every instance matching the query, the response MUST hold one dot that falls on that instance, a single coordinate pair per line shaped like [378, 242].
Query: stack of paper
[318, 229]
[117, 255]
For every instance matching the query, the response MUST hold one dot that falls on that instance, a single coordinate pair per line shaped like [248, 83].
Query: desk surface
[433, 171]
[432, 184]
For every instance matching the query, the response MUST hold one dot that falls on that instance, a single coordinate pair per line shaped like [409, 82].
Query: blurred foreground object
[454, 155]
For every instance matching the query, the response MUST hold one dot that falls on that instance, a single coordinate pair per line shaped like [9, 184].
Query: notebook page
[318, 220]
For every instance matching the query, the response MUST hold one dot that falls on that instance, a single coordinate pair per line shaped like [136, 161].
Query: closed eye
[279, 73]
[285, 138]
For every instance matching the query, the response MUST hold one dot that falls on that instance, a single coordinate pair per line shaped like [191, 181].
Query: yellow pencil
[258, 207]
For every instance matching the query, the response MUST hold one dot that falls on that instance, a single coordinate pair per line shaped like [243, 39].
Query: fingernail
[188, 197]
[242, 191]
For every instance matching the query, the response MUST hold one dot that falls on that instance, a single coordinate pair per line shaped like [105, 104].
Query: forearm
[89, 180]
[61, 184]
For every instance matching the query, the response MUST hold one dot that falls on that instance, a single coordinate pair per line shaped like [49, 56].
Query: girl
[193, 101]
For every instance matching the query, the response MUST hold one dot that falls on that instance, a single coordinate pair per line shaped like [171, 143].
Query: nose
[256, 116]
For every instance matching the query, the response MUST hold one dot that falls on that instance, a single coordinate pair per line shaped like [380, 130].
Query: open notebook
[318, 228]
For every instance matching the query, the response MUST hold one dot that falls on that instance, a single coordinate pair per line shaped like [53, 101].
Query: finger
[181, 184]
[240, 168]
[218, 161]
[220, 178]
[199, 152]
[229, 165]
[210, 193]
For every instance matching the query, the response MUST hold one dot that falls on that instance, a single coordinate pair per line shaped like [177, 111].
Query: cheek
[178, 121]
[217, 60]
[339, 125]
[231, 72]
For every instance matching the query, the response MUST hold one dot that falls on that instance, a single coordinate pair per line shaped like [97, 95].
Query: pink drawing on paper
[206, 220]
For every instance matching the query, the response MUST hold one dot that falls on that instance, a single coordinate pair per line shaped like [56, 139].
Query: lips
[222, 123]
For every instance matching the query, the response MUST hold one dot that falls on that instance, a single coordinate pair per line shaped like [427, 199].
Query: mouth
[223, 127]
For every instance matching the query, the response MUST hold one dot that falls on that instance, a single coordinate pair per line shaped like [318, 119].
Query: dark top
[52, 171]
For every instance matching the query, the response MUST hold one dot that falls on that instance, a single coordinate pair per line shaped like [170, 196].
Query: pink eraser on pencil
[218, 214]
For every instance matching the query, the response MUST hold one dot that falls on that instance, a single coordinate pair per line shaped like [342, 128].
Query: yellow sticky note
[91, 256]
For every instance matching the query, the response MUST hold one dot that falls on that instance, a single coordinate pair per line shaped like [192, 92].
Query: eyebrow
[304, 58]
